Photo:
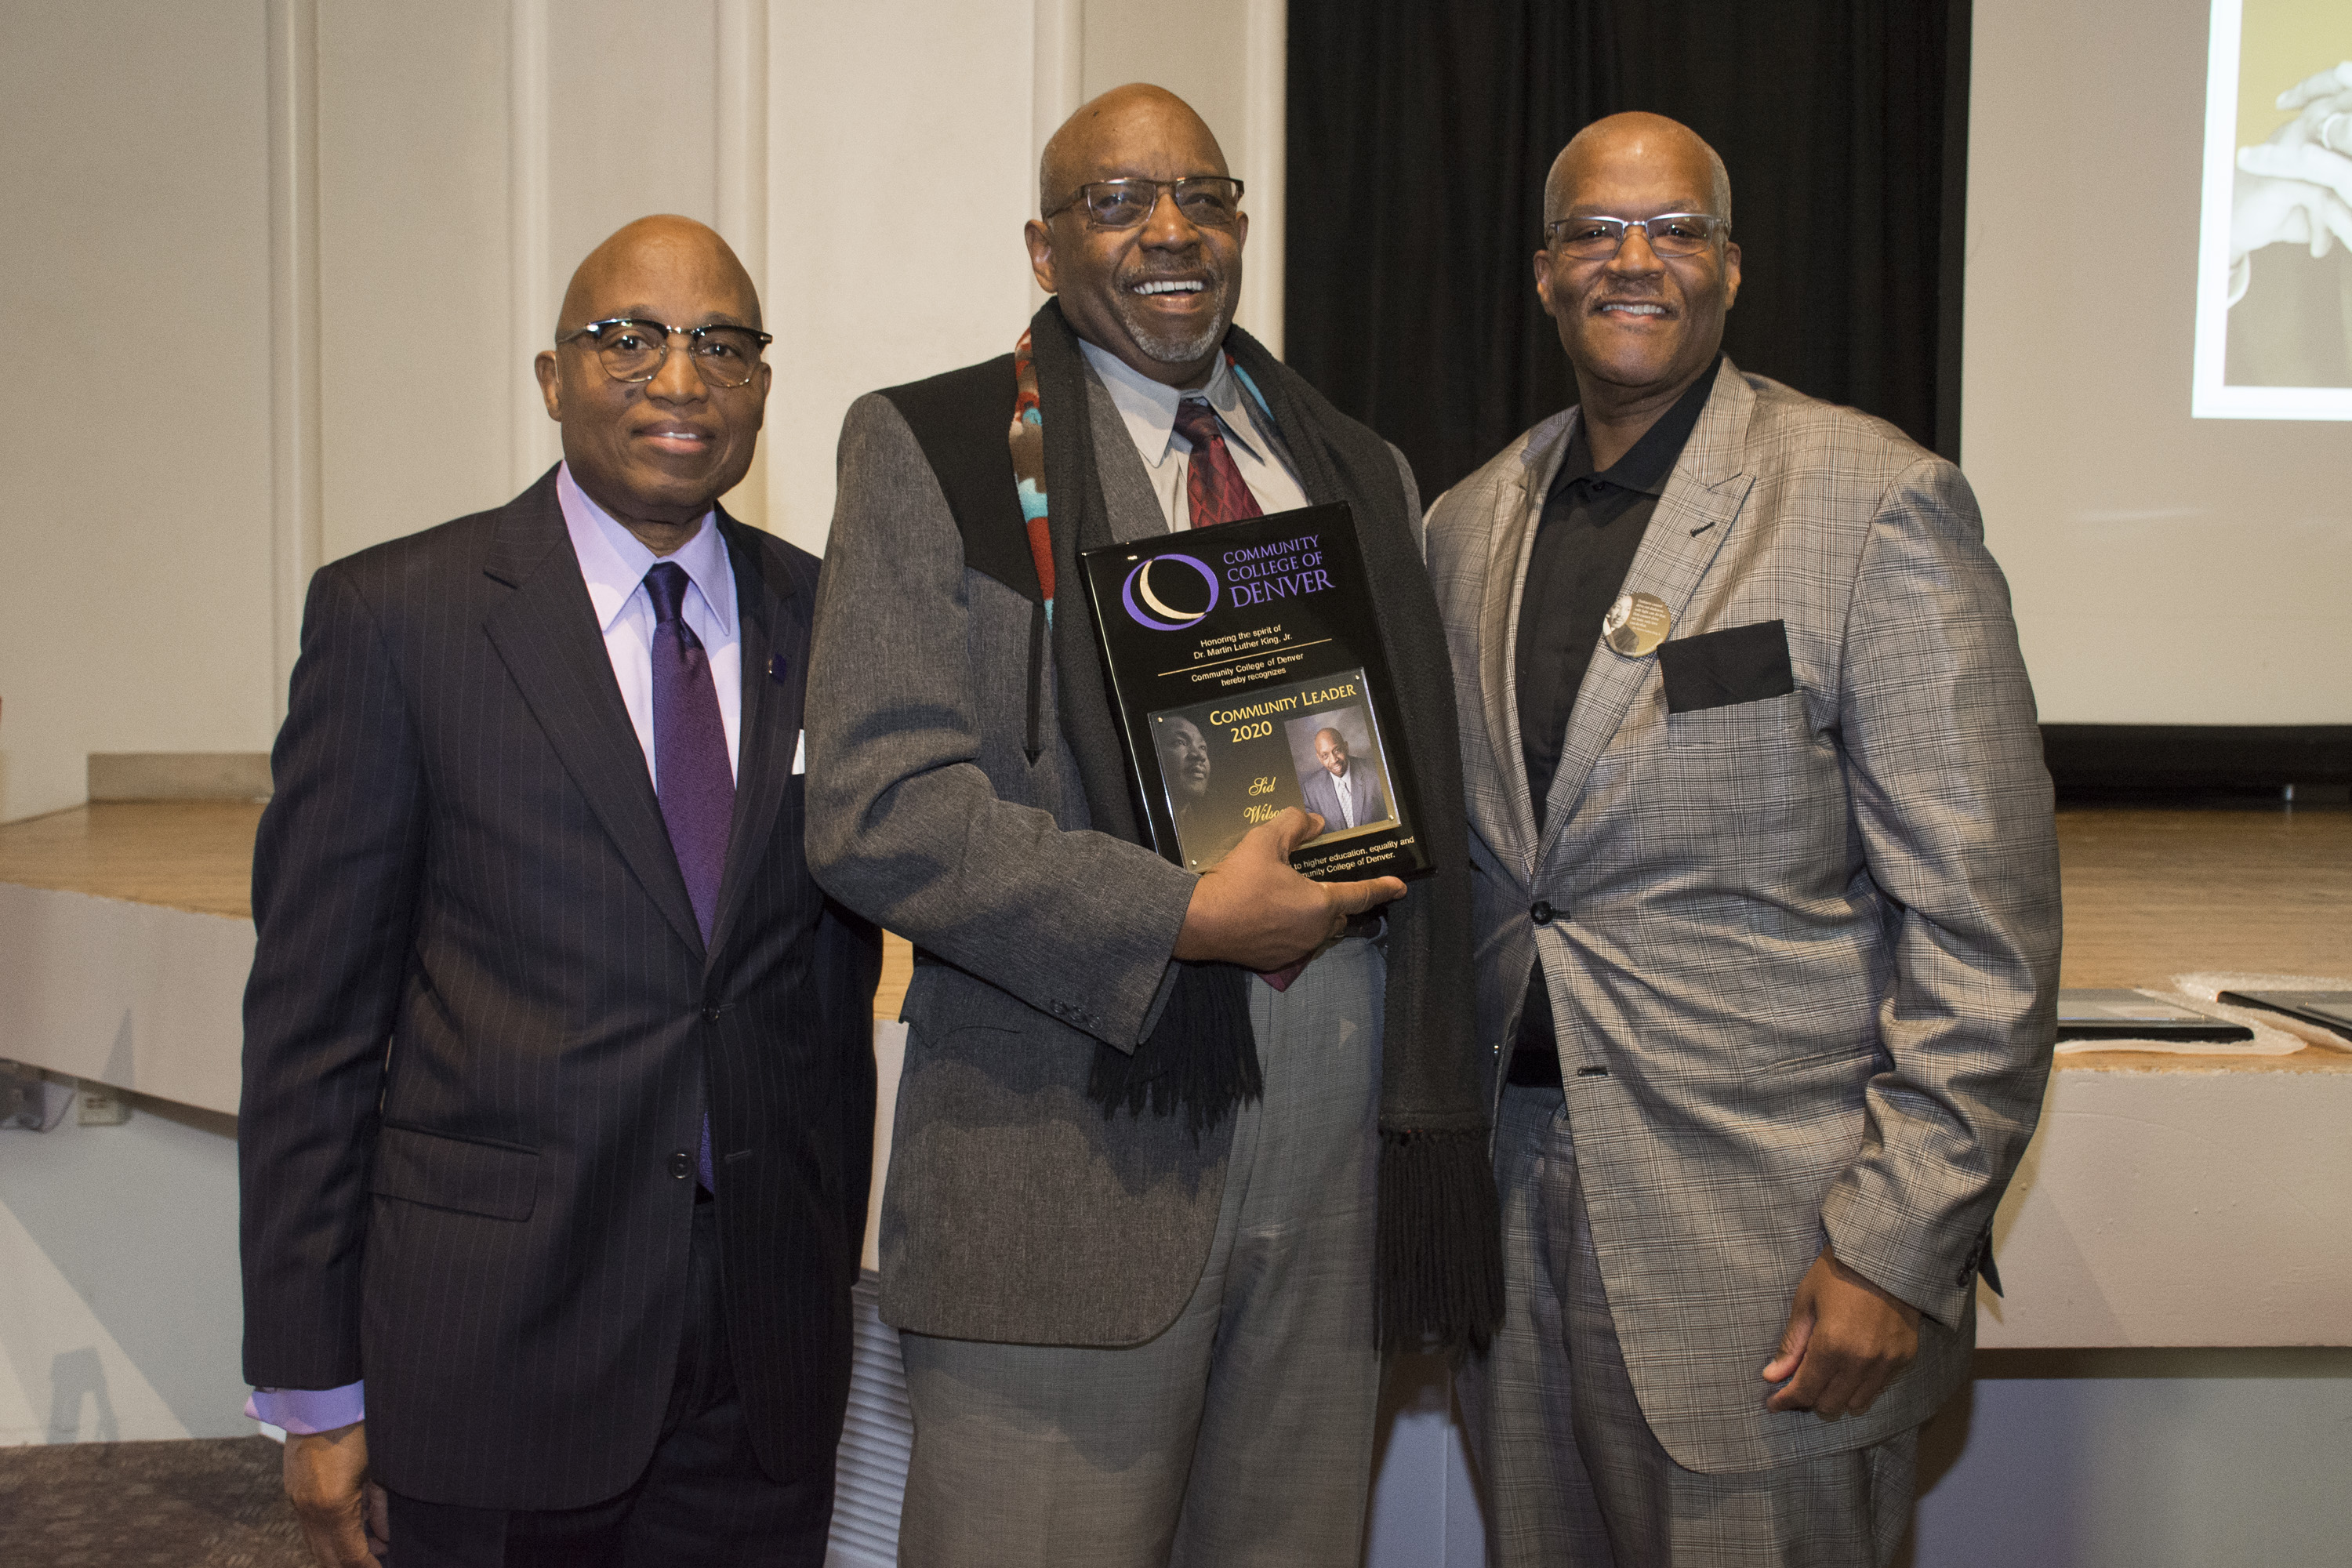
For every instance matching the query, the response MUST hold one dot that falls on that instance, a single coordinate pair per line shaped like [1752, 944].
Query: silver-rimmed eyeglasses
[632, 350]
[1207, 201]
[1596, 238]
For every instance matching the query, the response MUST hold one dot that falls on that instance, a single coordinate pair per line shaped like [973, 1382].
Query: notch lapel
[1128, 497]
[1693, 519]
[768, 612]
[1510, 540]
[546, 632]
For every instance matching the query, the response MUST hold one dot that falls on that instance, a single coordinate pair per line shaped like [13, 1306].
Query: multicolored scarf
[1438, 1262]
[1027, 438]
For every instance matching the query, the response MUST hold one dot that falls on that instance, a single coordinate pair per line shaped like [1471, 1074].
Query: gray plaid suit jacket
[1805, 955]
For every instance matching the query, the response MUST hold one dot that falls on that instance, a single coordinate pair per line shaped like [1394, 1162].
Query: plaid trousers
[1572, 1473]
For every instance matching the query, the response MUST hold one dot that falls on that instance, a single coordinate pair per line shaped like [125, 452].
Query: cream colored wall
[323, 242]
[417, 367]
[135, 447]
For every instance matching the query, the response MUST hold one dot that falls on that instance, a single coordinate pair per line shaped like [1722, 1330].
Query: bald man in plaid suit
[1767, 920]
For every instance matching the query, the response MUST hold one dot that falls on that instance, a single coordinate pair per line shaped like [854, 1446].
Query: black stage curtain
[1420, 134]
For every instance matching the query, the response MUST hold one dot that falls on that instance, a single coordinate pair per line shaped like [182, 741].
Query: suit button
[1540, 911]
[681, 1165]
[710, 1015]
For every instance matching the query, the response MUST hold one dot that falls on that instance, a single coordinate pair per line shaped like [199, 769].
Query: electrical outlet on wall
[98, 1106]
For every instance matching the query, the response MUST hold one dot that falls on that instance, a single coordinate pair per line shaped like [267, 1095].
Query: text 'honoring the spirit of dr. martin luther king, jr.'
[1249, 674]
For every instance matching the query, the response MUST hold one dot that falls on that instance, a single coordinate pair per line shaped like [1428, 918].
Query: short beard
[1170, 350]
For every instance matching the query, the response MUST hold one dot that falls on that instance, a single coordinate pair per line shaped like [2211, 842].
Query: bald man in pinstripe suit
[559, 1087]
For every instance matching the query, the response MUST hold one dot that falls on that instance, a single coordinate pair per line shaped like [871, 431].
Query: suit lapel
[1693, 519]
[1128, 496]
[547, 634]
[767, 615]
[1517, 506]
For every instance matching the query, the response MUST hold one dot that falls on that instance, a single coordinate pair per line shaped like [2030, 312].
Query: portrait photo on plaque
[1208, 795]
[1335, 755]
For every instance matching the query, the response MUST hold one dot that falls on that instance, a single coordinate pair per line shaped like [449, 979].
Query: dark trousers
[703, 1499]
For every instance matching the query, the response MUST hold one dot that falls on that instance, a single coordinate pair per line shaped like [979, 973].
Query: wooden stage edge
[2150, 894]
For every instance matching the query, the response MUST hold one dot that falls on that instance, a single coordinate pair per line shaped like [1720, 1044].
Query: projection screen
[2158, 369]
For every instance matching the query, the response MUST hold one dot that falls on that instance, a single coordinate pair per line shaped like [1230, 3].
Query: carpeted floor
[211, 1502]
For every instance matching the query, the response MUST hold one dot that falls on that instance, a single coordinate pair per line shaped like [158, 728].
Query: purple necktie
[691, 775]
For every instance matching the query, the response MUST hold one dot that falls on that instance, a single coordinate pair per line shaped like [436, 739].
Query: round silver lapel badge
[1636, 624]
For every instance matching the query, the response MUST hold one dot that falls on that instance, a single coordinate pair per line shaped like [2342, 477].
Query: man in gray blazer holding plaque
[1766, 914]
[1173, 1152]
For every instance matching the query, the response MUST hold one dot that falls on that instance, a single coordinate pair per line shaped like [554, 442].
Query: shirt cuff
[306, 1412]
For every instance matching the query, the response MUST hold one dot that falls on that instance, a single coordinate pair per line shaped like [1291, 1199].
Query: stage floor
[2149, 893]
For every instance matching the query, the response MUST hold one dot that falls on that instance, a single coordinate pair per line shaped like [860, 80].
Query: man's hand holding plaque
[1253, 909]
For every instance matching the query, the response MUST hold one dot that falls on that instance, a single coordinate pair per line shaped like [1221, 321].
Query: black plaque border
[1137, 671]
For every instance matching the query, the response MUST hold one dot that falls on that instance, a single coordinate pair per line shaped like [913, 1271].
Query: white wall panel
[135, 449]
[416, 369]
[900, 170]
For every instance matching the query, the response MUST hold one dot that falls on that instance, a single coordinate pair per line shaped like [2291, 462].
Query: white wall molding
[295, 529]
[741, 156]
[529, 297]
[1056, 82]
[741, 198]
[1265, 152]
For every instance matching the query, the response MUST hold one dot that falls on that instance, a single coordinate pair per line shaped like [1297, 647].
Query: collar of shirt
[1149, 406]
[614, 562]
[1651, 462]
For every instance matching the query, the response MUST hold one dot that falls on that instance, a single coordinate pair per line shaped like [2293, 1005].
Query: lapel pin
[1636, 624]
[777, 667]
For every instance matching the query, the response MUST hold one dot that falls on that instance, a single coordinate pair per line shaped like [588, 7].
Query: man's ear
[1730, 273]
[550, 383]
[1040, 241]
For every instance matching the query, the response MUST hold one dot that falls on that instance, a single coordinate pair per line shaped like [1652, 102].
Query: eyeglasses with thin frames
[1206, 201]
[632, 350]
[1598, 239]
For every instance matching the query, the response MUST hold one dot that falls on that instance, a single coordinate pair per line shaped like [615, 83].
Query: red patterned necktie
[1212, 485]
[1217, 493]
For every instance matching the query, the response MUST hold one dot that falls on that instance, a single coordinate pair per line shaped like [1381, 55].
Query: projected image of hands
[2274, 290]
[2295, 186]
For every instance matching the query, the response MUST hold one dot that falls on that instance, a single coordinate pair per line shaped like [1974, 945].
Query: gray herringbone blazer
[1015, 1211]
[1805, 951]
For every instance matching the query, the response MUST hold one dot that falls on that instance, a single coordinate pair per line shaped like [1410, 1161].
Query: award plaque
[1249, 674]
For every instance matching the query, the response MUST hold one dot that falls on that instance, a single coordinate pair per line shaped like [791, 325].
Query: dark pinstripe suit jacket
[465, 860]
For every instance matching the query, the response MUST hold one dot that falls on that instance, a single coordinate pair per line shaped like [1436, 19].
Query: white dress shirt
[1148, 408]
[614, 562]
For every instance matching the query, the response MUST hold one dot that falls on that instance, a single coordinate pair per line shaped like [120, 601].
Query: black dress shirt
[1591, 526]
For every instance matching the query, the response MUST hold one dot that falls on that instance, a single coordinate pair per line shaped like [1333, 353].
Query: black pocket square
[1737, 664]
